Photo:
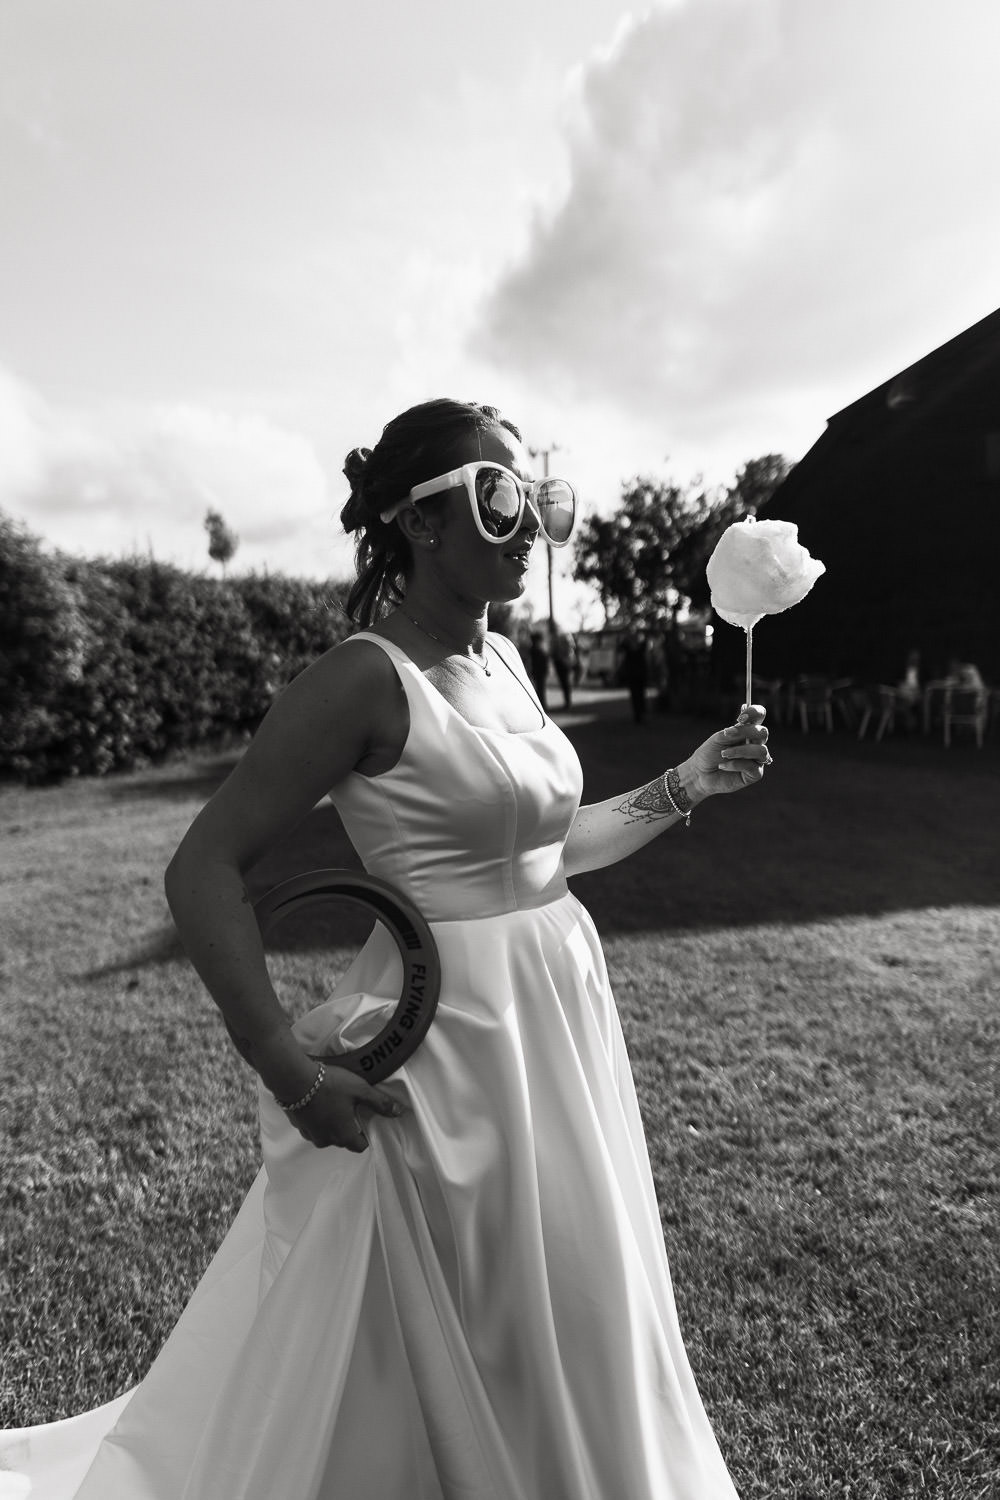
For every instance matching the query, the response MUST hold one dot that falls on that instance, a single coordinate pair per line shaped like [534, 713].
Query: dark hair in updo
[416, 446]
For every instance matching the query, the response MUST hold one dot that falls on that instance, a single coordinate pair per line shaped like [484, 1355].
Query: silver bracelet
[667, 793]
[309, 1093]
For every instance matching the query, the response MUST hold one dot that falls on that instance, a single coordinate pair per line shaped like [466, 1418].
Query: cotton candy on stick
[759, 568]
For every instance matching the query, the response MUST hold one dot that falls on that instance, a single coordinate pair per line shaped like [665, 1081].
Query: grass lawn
[808, 979]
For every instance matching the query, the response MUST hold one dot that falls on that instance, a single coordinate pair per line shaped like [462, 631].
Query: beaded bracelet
[676, 780]
[309, 1093]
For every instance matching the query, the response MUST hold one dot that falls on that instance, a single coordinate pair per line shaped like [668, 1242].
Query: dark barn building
[900, 498]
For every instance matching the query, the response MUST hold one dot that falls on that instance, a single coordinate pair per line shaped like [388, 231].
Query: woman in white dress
[451, 1286]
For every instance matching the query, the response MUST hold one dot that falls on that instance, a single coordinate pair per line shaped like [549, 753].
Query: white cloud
[771, 207]
[22, 437]
[107, 482]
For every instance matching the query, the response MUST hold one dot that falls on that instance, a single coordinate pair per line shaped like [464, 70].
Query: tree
[753, 486]
[758, 479]
[647, 561]
[638, 558]
[222, 540]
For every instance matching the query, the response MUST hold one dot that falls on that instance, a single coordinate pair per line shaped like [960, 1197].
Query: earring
[432, 541]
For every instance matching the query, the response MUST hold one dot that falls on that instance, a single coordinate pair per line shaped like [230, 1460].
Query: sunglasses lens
[556, 501]
[499, 502]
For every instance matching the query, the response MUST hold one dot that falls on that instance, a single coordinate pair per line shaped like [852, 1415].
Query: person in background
[964, 674]
[522, 641]
[909, 686]
[539, 658]
[563, 651]
[635, 671]
[908, 694]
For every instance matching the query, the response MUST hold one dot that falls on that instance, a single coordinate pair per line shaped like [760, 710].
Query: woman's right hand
[331, 1119]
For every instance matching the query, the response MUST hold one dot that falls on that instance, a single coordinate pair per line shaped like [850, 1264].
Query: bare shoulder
[350, 696]
[330, 720]
[354, 665]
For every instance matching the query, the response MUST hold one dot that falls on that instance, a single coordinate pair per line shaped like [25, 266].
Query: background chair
[767, 692]
[993, 710]
[844, 694]
[813, 696]
[934, 694]
[882, 700]
[965, 707]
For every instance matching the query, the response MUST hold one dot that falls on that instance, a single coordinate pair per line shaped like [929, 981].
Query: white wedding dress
[479, 1306]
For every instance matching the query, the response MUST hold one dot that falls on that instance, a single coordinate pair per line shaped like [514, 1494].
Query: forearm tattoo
[662, 798]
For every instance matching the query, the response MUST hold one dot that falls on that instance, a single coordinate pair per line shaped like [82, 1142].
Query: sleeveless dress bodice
[470, 822]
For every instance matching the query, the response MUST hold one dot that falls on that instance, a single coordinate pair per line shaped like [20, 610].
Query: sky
[237, 237]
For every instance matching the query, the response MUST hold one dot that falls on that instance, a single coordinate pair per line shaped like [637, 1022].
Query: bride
[451, 1285]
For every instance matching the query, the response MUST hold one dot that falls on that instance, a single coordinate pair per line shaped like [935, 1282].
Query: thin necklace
[484, 662]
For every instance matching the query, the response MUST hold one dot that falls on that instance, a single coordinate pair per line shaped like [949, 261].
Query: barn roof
[962, 375]
[900, 498]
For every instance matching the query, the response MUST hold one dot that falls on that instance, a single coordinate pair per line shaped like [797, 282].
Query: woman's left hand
[731, 759]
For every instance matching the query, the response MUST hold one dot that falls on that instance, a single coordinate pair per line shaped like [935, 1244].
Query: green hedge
[106, 665]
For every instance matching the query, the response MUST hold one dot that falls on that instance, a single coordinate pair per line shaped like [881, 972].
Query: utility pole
[543, 454]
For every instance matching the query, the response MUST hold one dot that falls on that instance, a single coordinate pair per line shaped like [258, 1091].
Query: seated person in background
[909, 685]
[963, 674]
[908, 696]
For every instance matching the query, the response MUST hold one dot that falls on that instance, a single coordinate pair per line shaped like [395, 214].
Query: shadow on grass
[839, 828]
[319, 842]
[177, 780]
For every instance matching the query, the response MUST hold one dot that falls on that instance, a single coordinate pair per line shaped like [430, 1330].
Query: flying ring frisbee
[411, 1019]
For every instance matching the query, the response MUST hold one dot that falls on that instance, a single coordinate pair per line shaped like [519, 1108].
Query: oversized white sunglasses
[497, 498]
